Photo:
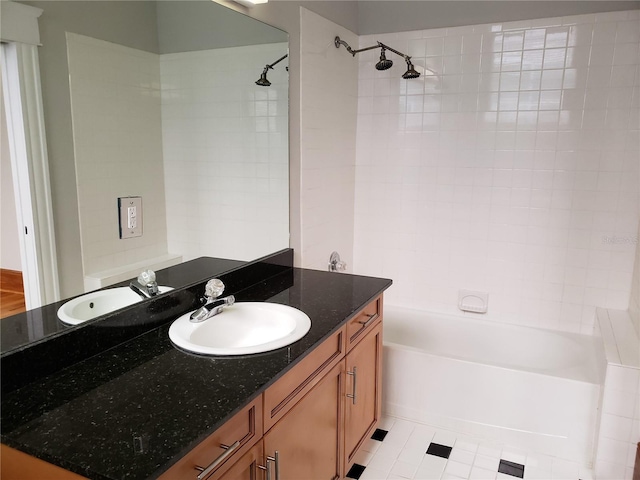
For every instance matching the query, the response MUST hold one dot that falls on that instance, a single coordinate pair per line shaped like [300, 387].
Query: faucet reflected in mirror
[145, 285]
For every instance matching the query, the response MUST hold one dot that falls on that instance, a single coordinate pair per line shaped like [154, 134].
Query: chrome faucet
[145, 285]
[213, 305]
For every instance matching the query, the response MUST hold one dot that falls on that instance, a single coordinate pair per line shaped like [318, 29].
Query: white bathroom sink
[241, 329]
[94, 304]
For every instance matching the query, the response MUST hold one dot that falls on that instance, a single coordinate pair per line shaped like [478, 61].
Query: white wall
[225, 144]
[115, 103]
[513, 171]
[328, 102]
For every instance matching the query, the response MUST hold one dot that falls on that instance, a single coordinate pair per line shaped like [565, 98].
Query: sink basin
[241, 329]
[98, 303]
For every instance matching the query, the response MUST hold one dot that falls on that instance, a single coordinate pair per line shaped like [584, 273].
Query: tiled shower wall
[329, 95]
[116, 154]
[512, 169]
[225, 144]
[224, 141]
[620, 423]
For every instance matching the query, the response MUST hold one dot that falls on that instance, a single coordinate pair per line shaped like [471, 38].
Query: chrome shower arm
[338, 41]
[270, 66]
[387, 47]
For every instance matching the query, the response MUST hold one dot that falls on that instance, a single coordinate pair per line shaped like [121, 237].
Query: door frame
[28, 150]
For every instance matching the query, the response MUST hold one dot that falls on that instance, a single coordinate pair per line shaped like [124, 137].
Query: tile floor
[401, 450]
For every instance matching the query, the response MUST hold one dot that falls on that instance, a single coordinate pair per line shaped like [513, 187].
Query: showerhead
[411, 71]
[384, 63]
[263, 81]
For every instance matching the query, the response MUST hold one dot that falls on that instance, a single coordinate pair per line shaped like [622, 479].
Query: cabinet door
[308, 439]
[249, 467]
[363, 392]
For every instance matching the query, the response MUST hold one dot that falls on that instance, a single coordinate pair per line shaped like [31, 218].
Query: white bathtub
[534, 389]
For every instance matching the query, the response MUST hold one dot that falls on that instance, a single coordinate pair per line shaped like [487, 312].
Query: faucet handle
[336, 264]
[146, 277]
[213, 289]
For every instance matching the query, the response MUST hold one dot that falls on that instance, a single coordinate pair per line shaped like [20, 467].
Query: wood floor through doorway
[11, 293]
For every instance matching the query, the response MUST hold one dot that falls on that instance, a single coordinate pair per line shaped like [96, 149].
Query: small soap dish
[472, 301]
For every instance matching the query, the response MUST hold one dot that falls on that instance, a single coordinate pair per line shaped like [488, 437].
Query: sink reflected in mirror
[241, 329]
[92, 305]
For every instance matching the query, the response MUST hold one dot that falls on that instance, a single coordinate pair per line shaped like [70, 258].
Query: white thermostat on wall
[130, 216]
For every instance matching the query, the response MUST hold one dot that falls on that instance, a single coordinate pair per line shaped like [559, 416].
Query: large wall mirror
[164, 106]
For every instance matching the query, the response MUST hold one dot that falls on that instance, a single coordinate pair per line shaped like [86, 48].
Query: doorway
[12, 298]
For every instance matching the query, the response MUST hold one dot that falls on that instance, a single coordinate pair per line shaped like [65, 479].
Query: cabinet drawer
[286, 392]
[363, 322]
[245, 429]
[246, 468]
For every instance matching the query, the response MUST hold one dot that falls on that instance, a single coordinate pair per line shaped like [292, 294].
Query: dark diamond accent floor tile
[439, 450]
[355, 471]
[379, 434]
[511, 468]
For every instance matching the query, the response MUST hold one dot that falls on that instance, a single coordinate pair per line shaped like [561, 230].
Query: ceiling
[396, 16]
[366, 17]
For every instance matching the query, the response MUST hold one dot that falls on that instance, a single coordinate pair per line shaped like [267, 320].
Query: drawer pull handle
[355, 378]
[204, 472]
[267, 469]
[276, 460]
[367, 322]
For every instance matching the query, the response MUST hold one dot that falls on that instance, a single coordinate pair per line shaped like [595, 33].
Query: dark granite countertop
[133, 410]
[42, 323]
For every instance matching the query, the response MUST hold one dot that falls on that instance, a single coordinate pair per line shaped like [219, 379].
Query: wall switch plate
[130, 216]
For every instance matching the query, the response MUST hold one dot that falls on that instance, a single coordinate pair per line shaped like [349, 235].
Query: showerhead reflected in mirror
[263, 81]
